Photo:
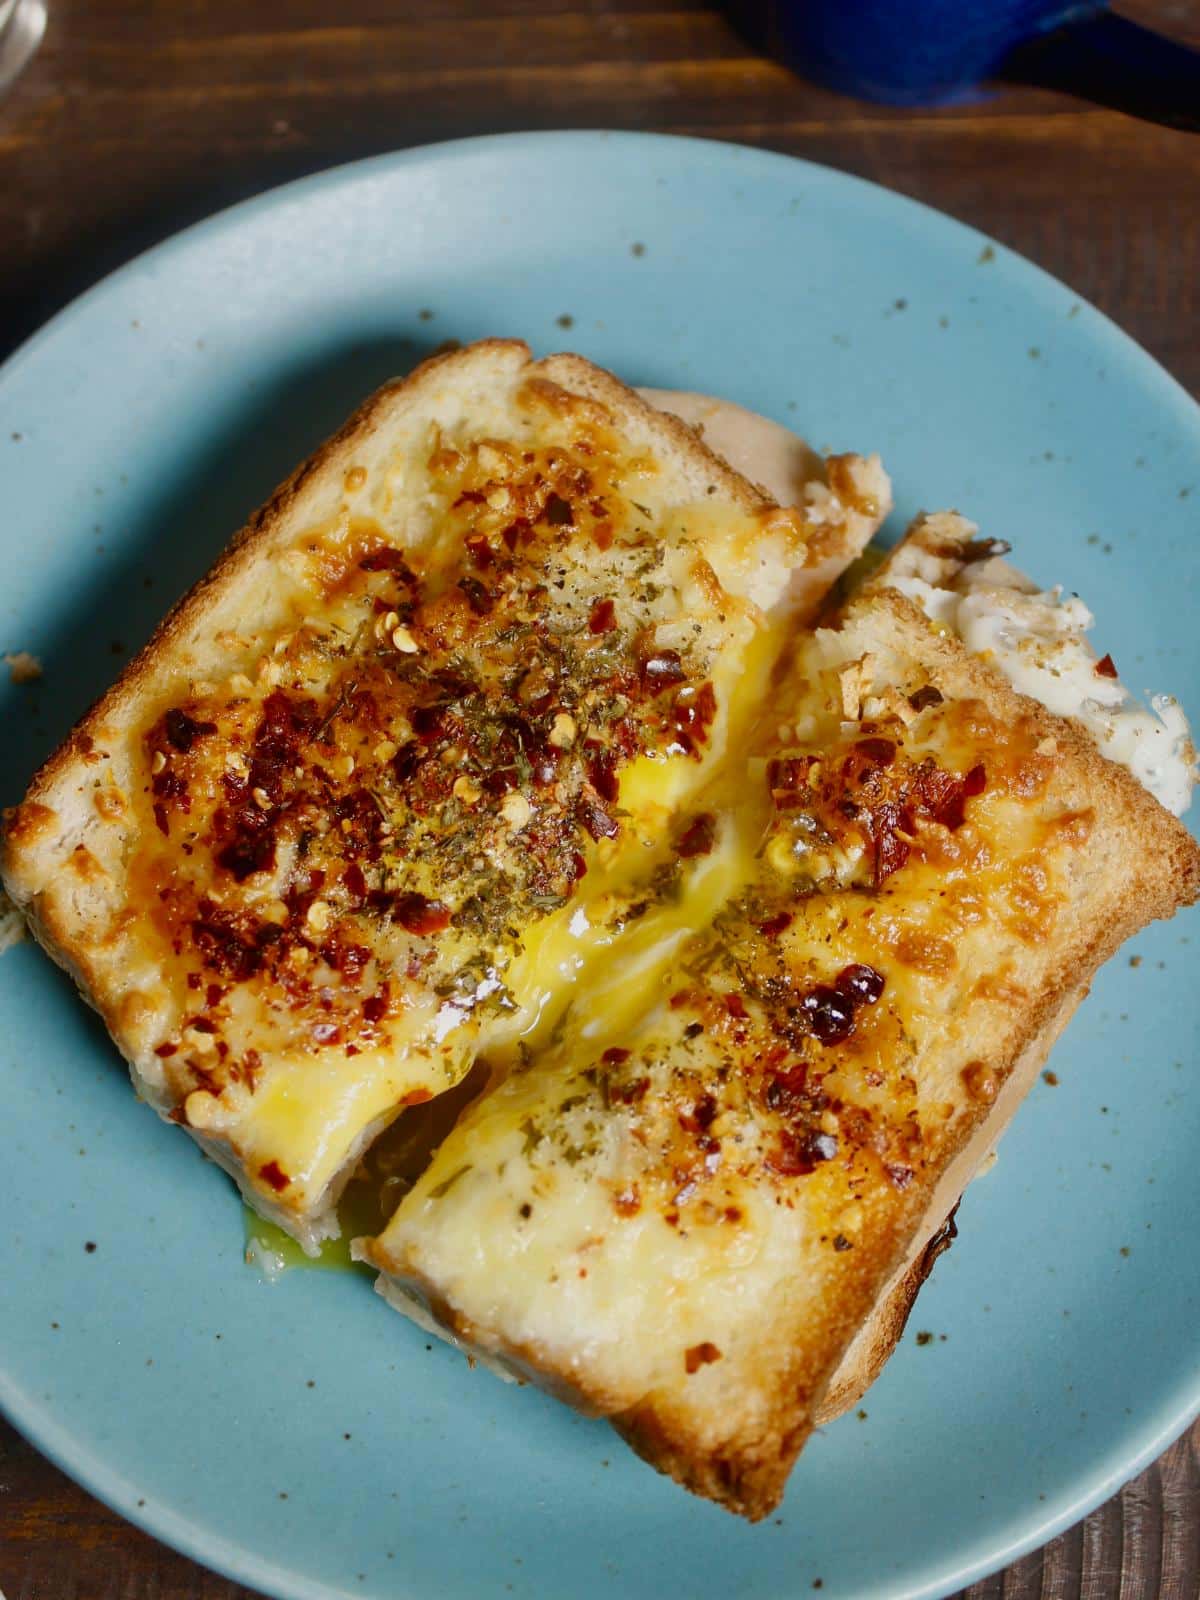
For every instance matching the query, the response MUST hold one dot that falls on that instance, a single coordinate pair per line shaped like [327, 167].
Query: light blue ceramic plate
[303, 1437]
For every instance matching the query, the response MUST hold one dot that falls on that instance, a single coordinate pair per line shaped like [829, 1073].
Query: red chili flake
[787, 779]
[417, 1097]
[881, 752]
[797, 1155]
[204, 1078]
[629, 1094]
[354, 879]
[691, 715]
[274, 1174]
[785, 1090]
[251, 1062]
[951, 811]
[602, 534]
[660, 670]
[576, 866]
[428, 722]
[789, 772]
[975, 781]
[418, 914]
[615, 1056]
[698, 837]
[470, 497]
[169, 786]
[558, 512]
[500, 780]
[166, 1050]
[183, 731]
[348, 959]
[374, 1007]
[160, 820]
[602, 770]
[700, 1355]
[891, 852]
[478, 598]
[594, 819]
[543, 761]
[481, 551]
[388, 559]
[406, 761]
[246, 856]
[774, 926]
[603, 618]
[201, 1024]
[704, 1112]
[735, 1005]
[927, 695]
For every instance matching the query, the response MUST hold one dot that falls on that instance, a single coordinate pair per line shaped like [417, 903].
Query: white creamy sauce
[1039, 642]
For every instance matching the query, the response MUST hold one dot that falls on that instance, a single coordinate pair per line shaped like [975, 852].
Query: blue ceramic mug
[921, 52]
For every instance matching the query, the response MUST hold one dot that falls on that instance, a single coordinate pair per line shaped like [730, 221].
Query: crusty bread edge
[881, 1333]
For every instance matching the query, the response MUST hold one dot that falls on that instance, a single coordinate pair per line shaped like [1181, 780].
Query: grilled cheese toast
[500, 754]
[404, 765]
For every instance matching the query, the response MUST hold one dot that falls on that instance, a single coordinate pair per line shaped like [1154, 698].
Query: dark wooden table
[139, 116]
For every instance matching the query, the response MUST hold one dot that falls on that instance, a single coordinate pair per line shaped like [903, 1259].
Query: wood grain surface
[138, 116]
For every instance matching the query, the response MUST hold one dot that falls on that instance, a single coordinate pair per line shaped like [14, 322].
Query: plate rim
[240, 1562]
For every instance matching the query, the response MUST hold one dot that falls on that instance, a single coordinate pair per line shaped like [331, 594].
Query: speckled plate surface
[300, 1435]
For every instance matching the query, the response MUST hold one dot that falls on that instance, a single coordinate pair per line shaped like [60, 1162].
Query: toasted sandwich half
[1039, 640]
[703, 1221]
[405, 763]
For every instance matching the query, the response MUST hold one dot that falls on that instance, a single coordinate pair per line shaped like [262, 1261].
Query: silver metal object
[22, 24]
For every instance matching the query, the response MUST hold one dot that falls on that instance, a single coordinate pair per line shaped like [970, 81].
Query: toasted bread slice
[942, 562]
[686, 1222]
[879, 1335]
[397, 769]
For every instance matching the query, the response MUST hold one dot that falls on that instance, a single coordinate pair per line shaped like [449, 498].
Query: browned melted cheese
[804, 1065]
